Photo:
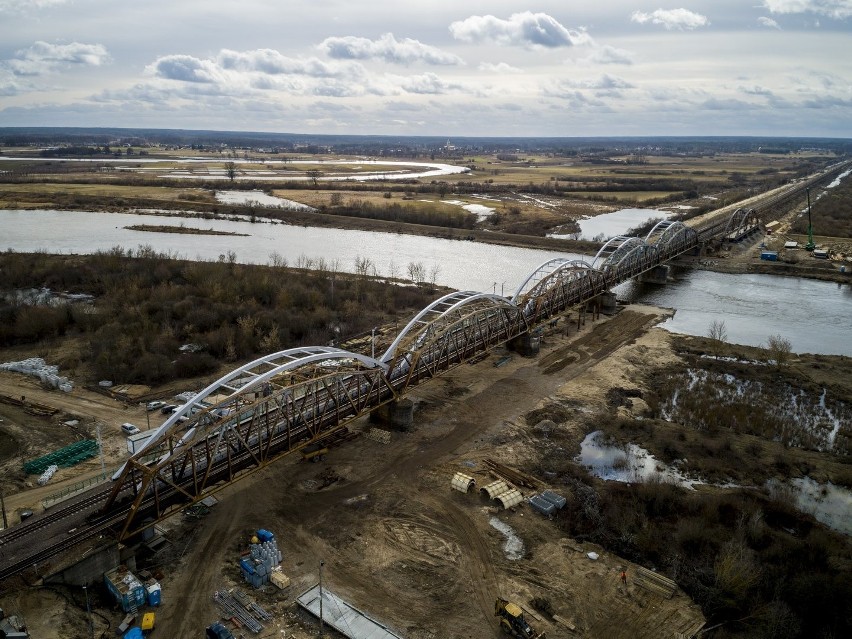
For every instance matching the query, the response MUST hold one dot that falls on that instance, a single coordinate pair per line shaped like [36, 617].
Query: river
[813, 315]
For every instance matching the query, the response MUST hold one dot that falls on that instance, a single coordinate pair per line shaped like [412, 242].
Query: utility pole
[3, 508]
[101, 449]
[88, 614]
[322, 563]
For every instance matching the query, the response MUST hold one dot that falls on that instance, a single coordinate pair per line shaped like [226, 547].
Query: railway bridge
[286, 401]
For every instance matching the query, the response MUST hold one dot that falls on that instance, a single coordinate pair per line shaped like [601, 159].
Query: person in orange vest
[624, 577]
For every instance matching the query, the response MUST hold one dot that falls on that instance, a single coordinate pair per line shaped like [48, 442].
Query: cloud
[500, 67]
[603, 82]
[43, 57]
[756, 90]
[270, 61]
[260, 69]
[25, 6]
[427, 83]
[608, 54]
[521, 29]
[763, 21]
[671, 18]
[724, 104]
[185, 68]
[837, 9]
[386, 48]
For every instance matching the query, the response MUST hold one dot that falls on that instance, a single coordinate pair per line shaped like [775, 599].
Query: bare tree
[393, 270]
[779, 349]
[433, 274]
[718, 331]
[417, 272]
[231, 170]
[364, 266]
[314, 175]
[277, 260]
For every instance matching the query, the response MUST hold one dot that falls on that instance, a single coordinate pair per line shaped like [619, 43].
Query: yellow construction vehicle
[513, 622]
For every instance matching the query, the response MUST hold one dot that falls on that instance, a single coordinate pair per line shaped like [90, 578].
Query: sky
[432, 67]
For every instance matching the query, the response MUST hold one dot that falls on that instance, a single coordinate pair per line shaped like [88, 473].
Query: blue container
[557, 500]
[542, 505]
[154, 597]
[134, 633]
[265, 535]
[246, 566]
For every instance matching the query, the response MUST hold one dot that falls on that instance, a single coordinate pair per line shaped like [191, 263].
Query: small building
[791, 244]
[771, 256]
[126, 588]
[821, 254]
[135, 442]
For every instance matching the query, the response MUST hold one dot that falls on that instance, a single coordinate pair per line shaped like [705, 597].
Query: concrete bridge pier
[608, 303]
[528, 344]
[398, 414]
[657, 275]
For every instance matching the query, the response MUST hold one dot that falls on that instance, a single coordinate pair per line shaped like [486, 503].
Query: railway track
[46, 520]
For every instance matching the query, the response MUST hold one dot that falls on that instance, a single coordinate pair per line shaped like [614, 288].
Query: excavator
[513, 622]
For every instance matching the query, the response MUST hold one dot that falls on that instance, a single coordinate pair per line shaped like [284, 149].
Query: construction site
[378, 512]
[570, 469]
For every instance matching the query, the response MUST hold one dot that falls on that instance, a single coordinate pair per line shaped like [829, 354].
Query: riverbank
[822, 270]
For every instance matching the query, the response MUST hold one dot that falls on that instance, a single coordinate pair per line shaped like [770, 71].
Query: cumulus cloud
[185, 68]
[500, 67]
[262, 69]
[603, 82]
[44, 57]
[270, 61]
[837, 9]
[427, 83]
[763, 21]
[671, 18]
[608, 54]
[386, 48]
[521, 29]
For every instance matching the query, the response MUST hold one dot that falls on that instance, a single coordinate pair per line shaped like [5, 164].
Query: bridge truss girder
[287, 400]
[623, 257]
[741, 222]
[671, 239]
[244, 432]
[448, 332]
[555, 286]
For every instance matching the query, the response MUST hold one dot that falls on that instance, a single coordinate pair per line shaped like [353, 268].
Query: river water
[813, 315]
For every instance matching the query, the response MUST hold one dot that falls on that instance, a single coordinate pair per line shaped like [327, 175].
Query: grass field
[531, 193]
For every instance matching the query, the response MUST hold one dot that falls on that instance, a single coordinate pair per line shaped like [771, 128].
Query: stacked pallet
[655, 582]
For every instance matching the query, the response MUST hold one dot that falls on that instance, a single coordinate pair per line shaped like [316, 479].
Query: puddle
[629, 464]
[261, 199]
[513, 547]
[603, 227]
[480, 210]
[829, 504]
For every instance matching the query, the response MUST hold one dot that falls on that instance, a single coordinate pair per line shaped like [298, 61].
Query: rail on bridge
[285, 401]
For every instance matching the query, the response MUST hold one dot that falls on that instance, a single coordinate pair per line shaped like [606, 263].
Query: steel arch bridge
[285, 401]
